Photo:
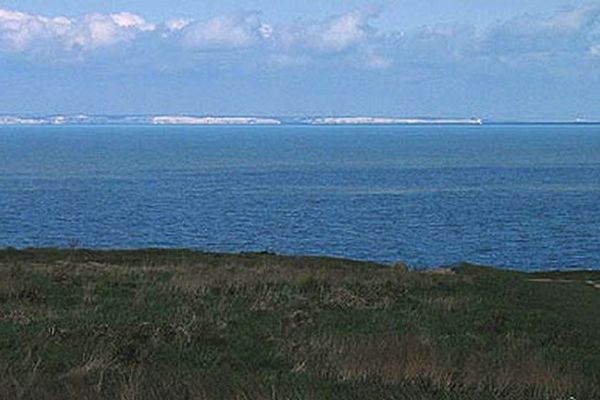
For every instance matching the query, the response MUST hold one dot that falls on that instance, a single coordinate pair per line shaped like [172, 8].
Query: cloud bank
[22, 33]
[530, 64]
[349, 36]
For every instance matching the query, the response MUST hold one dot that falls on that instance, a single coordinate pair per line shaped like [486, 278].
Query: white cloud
[225, 32]
[98, 30]
[21, 32]
[571, 20]
[176, 24]
[568, 30]
[18, 30]
[266, 30]
[336, 34]
[342, 32]
[132, 21]
[565, 22]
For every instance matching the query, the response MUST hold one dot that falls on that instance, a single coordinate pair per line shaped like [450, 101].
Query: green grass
[177, 324]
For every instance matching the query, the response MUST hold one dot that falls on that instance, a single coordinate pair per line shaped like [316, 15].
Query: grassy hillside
[157, 324]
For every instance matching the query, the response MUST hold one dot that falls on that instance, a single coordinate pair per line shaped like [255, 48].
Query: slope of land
[157, 324]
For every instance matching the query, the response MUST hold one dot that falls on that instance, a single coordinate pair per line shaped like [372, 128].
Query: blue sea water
[520, 196]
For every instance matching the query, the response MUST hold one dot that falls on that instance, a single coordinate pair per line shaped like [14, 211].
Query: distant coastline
[392, 121]
[185, 120]
[82, 119]
[210, 120]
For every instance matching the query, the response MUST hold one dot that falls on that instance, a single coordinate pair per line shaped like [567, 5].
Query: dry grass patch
[392, 358]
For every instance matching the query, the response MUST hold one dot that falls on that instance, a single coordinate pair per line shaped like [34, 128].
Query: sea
[507, 195]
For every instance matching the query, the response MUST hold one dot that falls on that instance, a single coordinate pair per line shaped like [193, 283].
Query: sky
[501, 60]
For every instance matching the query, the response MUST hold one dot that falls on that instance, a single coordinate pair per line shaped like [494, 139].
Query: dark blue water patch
[523, 197]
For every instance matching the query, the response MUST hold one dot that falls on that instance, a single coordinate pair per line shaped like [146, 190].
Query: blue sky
[453, 58]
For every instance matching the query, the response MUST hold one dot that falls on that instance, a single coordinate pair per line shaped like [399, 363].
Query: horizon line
[57, 119]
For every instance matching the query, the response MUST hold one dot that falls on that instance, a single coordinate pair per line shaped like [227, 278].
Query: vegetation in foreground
[157, 324]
